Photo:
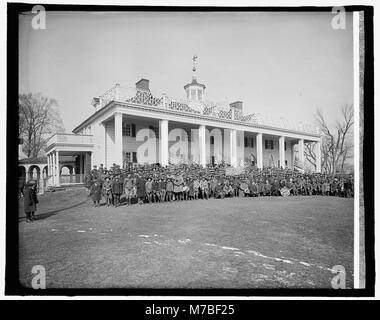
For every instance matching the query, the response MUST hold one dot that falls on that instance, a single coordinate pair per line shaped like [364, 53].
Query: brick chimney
[142, 84]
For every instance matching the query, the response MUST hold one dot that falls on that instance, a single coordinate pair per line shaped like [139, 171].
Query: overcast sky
[279, 64]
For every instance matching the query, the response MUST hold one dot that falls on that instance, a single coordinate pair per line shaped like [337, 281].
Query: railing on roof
[70, 139]
[206, 108]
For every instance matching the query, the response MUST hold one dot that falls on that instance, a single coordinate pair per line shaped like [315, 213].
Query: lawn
[231, 243]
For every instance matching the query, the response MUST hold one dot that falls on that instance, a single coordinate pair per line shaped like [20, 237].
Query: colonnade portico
[281, 141]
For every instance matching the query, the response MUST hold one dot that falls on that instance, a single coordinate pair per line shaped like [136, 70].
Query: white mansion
[134, 125]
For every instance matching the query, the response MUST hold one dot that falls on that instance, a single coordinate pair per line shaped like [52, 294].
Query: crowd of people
[155, 183]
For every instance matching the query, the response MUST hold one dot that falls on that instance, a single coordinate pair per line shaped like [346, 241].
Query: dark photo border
[12, 284]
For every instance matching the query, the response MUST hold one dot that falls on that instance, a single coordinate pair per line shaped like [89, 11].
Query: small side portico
[71, 151]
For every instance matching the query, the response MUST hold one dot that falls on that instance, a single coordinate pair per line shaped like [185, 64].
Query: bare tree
[310, 155]
[336, 146]
[38, 119]
[347, 154]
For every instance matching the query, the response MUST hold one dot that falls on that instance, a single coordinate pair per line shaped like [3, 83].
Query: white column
[281, 150]
[99, 136]
[118, 148]
[85, 162]
[259, 150]
[202, 145]
[48, 164]
[41, 181]
[164, 142]
[233, 147]
[291, 155]
[318, 159]
[81, 164]
[301, 151]
[49, 179]
[53, 167]
[81, 168]
[58, 169]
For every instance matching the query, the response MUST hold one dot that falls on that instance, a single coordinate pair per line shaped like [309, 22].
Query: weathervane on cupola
[195, 90]
[195, 57]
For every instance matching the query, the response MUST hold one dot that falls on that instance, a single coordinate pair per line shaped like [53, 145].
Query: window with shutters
[126, 129]
[251, 141]
[134, 157]
[269, 144]
[129, 130]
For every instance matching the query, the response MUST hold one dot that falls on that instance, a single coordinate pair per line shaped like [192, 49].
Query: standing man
[88, 183]
[204, 188]
[107, 191]
[169, 189]
[162, 184]
[117, 189]
[30, 201]
[128, 188]
[196, 186]
[96, 192]
[21, 186]
[149, 189]
[140, 189]
[156, 190]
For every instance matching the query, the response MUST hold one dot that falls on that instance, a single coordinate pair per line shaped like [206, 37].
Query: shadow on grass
[54, 212]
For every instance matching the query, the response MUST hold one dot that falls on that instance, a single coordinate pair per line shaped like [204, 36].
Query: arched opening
[66, 173]
[34, 173]
[45, 172]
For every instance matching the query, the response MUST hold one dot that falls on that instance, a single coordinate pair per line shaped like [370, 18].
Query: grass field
[231, 243]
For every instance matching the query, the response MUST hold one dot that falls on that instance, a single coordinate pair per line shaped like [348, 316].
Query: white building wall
[104, 140]
[267, 153]
[249, 150]
[109, 143]
[98, 154]
[131, 144]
